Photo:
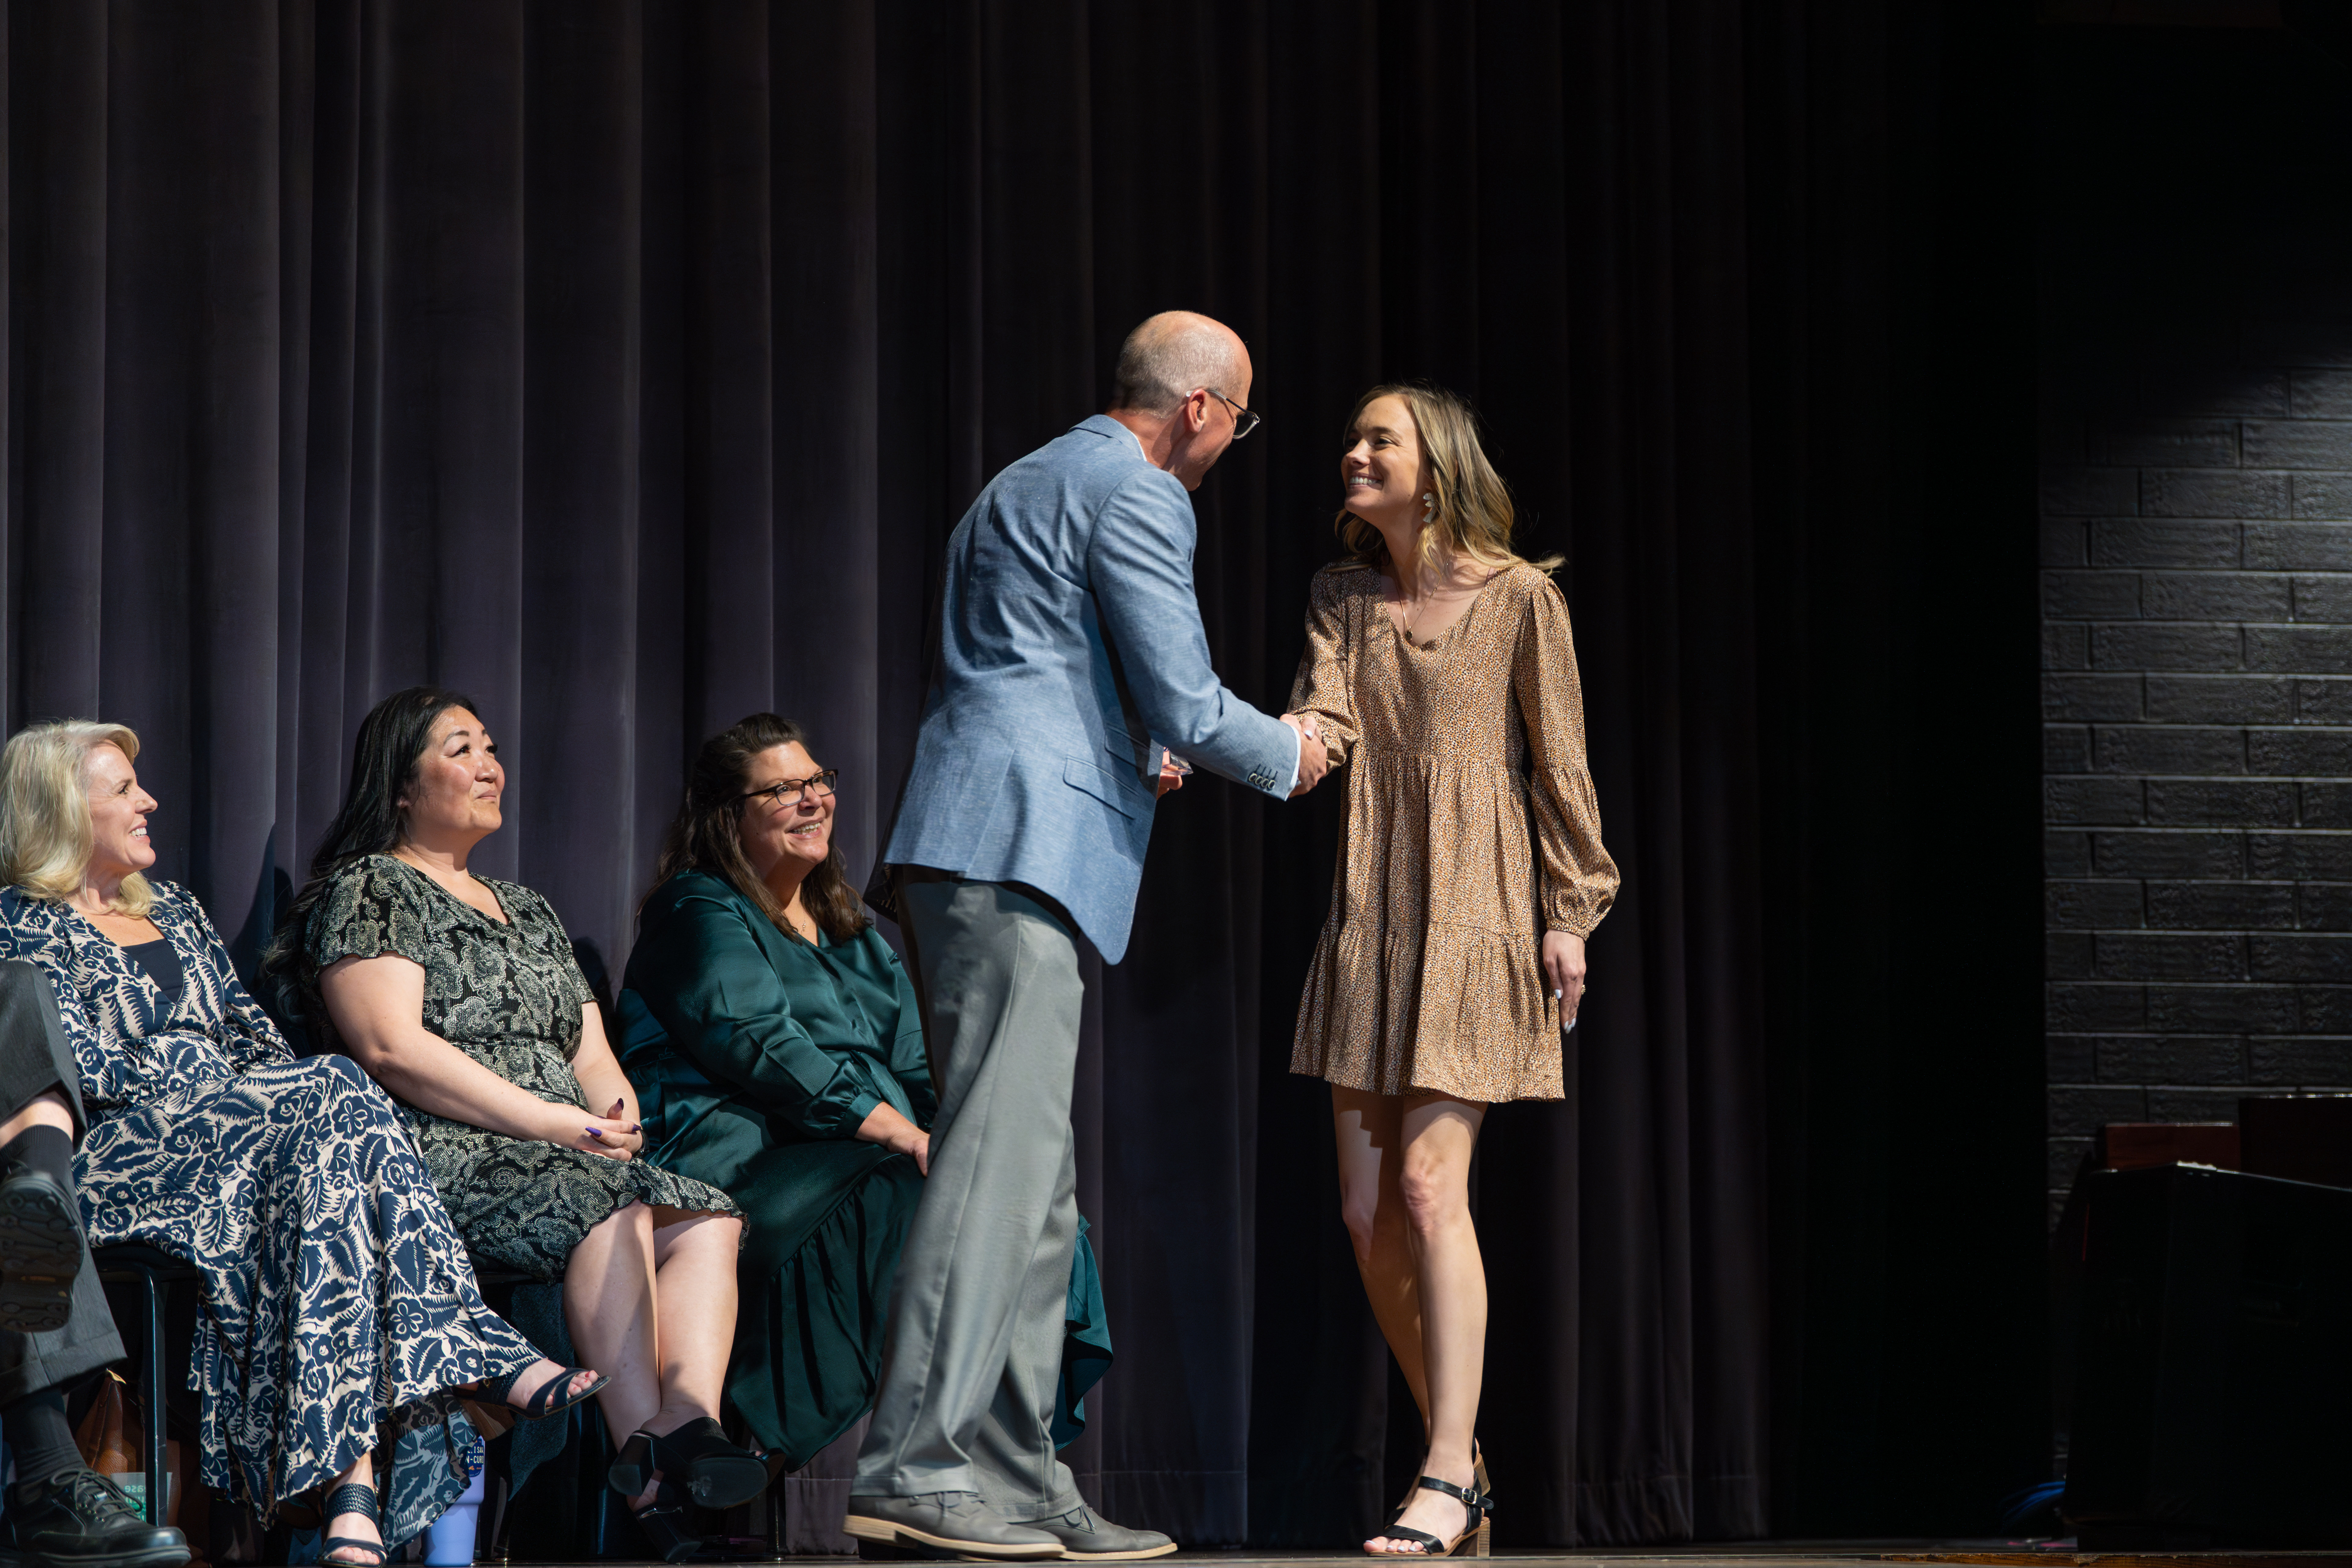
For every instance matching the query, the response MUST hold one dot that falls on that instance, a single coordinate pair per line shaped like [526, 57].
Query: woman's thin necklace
[1414, 602]
[1412, 610]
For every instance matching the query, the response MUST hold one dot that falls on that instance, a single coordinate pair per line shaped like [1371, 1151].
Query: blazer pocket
[1125, 748]
[1105, 786]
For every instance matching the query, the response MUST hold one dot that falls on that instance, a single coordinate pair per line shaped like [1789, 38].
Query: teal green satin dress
[755, 1057]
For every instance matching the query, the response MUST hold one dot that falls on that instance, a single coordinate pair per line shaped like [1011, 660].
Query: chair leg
[153, 1294]
[500, 1522]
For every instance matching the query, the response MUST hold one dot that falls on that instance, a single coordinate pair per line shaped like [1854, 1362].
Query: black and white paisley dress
[338, 1301]
[509, 997]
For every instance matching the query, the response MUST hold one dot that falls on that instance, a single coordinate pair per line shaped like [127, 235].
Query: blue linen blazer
[1071, 653]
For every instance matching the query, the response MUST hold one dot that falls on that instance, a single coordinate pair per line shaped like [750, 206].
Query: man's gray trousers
[974, 1352]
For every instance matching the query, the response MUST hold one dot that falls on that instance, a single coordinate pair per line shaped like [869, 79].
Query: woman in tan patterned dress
[1439, 665]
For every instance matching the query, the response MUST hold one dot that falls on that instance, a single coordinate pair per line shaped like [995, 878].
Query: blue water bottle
[449, 1540]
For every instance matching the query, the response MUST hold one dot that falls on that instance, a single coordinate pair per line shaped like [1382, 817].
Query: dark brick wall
[2196, 703]
[2196, 323]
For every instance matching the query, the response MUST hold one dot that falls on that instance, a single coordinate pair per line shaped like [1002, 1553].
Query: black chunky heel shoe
[714, 1472]
[664, 1524]
[1478, 1523]
[1478, 1472]
[633, 1466]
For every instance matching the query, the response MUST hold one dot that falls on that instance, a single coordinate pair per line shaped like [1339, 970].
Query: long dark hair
[385, 758]
[707, 833]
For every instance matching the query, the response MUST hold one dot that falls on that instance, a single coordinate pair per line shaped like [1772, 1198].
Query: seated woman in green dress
[777, 1052]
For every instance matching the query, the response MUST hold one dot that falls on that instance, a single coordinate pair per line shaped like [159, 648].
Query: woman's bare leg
[608, 1301]
[650, 1296]
[1370, 1131]
[1439, 1135]
[694, 1300]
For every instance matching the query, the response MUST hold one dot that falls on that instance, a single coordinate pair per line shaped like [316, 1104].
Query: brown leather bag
[112, 1439]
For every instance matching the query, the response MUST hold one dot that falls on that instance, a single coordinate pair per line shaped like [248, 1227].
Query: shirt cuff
[1298, 755]
[860, 1109]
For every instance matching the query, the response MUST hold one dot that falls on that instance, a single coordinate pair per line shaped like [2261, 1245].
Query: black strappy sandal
[553, 1398]
[1479, 1479]
[352, 1498]
[714, 1471]
[1479, 1524]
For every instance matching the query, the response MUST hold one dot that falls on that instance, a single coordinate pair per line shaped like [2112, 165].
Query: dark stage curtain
[626, 363]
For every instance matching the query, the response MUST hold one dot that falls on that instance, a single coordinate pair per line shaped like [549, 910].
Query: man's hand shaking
[1314, 761]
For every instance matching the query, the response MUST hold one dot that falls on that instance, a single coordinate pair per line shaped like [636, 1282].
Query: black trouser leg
[33, 1060]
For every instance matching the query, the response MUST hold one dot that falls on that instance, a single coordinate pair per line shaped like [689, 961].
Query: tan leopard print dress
[1471, 830]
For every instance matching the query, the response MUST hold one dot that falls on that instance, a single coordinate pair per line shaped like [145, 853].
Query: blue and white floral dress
[338, 1301]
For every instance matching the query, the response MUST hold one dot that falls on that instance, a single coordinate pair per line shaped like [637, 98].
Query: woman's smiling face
[117, 815]
[798, 827]
[1381, 471]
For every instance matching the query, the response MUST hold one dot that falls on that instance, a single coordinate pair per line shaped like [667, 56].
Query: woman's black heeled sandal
[714, 1471]
[1478, 1525]
[664, 1524]
[1479, 1479]
[633, 1466]
[553, 1398]
[351, 1498]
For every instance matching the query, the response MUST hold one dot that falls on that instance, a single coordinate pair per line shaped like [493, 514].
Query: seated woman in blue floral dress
[459, 993]
[338, 1304]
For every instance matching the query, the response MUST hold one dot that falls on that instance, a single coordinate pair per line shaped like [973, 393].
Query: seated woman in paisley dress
[460, 995]
[339, 1303]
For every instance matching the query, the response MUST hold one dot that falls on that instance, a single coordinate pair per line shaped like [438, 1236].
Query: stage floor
[1756, 1555]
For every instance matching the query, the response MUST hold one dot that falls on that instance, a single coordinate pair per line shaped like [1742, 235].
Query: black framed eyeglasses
[1243, 420]
[818, 784]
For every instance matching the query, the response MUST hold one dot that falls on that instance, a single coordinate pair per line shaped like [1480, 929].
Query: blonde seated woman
[341, 1322]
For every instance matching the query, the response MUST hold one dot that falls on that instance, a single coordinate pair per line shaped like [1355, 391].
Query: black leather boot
[80, 1519]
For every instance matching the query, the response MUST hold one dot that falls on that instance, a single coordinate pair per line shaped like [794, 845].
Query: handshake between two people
[1314, 761]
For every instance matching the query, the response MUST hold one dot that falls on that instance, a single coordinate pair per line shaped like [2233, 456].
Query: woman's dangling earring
[1429, 506]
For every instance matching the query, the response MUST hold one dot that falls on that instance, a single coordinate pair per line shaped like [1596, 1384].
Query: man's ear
[1196, 411]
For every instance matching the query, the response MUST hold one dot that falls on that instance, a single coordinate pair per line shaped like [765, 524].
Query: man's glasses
[1243, 420]
[817, 784]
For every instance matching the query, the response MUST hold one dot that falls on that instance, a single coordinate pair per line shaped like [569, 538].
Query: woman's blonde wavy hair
[1474, 518]
[45, 834]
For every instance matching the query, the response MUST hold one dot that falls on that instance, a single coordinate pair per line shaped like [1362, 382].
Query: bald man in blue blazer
[1072, 656]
